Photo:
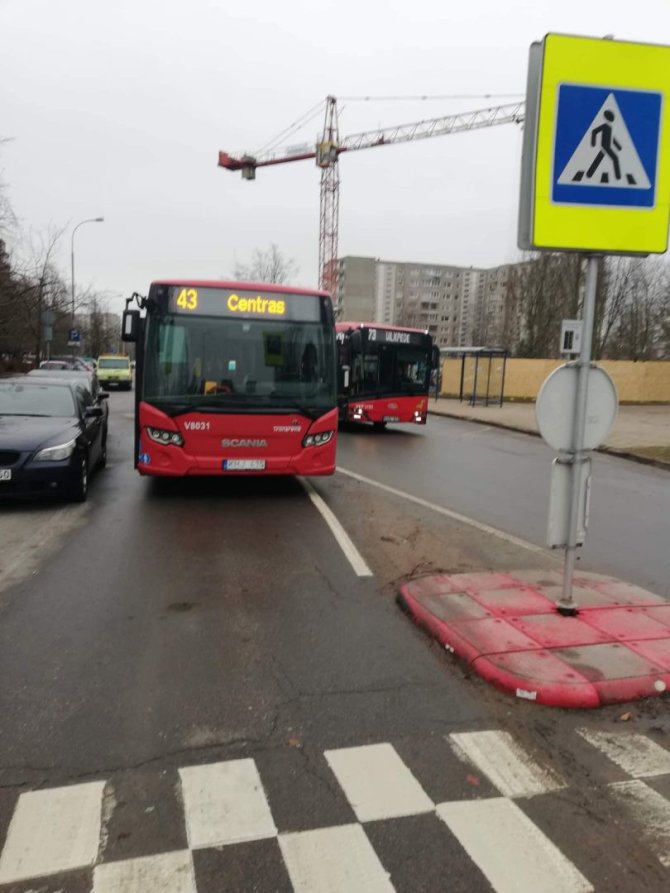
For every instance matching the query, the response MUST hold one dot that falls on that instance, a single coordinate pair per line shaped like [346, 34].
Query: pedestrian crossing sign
[610, 141]
[596, 165]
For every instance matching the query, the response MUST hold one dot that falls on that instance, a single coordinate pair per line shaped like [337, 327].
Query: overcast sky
[119, 110]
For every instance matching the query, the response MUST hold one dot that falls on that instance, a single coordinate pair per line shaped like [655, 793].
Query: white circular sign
[555, 407]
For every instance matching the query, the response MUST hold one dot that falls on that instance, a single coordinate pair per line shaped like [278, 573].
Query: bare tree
[7, 216]
[548, 288]
[35, 286]
[639, 310]
[100, 329]
[267, 265]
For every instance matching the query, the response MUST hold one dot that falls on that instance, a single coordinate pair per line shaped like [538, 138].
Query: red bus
[233, 378]
[384, 373]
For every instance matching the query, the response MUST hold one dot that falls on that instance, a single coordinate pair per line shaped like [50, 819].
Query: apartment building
[459, 306]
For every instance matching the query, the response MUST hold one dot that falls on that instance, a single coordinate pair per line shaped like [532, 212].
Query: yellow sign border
[608, 229]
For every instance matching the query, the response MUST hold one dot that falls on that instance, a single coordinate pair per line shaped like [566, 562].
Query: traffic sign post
[566, 604]
[595, 178]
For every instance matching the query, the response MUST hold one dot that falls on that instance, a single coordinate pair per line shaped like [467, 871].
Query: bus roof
[345, 326]
[243, 286]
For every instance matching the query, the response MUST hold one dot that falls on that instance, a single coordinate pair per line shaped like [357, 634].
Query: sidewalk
[640, 432]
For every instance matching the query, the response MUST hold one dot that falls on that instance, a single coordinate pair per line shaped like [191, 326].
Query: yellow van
[114, 369]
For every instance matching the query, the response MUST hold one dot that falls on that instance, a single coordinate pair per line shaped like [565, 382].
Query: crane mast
[327, 151]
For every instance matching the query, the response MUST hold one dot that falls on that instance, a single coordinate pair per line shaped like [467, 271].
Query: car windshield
[35, 400]
[223, 364]
[114, 363]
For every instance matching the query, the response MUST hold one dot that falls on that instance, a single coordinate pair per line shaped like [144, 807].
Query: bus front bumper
[171, 461]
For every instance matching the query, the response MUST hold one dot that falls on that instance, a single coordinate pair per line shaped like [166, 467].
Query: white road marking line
[167, 873]
[637, 755]
[455, 516]
[507, 765]
[652, 811]
[225, 803]
[333, 860]
[376, 782]
[511, 851]
[344, 541]
[52, 831]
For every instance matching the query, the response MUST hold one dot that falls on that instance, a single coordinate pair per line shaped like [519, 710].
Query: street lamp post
[90, 220]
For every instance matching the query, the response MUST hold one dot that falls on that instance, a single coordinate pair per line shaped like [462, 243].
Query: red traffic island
[506, 626]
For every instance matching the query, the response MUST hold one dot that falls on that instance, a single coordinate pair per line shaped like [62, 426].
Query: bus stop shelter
[482, 373]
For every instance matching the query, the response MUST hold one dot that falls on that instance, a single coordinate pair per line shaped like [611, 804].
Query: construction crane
[328, 149]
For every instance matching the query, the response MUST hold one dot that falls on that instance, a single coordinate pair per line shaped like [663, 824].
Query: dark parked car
[52, 436]
[88, 379]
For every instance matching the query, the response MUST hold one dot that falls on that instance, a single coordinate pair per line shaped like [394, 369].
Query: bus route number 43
[187, 299]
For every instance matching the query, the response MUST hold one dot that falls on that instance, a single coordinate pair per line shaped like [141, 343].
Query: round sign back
[555, 407]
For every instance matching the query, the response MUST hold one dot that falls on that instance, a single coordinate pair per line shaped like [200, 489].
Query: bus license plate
[391, 418]
[244, 464]
[5, 474]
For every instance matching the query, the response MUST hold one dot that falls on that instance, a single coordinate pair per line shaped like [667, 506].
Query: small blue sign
[74, 336]
[606, 146]
[144, 459]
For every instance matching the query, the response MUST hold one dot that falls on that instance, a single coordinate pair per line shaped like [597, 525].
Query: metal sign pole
[567, 605]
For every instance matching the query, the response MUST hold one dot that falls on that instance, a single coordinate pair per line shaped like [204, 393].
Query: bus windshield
[230, 365]
[390, 369]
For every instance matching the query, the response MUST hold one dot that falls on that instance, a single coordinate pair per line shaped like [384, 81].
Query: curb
[506, 628]
[611, 451]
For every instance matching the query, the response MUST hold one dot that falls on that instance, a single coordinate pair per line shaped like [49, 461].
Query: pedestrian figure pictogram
[606, 142]
[606, 155]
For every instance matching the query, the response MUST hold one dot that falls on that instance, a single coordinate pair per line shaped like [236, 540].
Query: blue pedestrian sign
[606, 146]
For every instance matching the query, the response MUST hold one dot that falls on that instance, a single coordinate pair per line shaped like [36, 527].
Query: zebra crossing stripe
[225, 803]
[506, 764]
[651, 811]
[333, 860]
[637, 755]
[510, 850]
[167, 873]
[376, 782]
[52, 831]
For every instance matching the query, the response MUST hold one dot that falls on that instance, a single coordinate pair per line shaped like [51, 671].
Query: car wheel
[80, 489]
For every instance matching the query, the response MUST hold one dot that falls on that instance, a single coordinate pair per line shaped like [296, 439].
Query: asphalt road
[174, 642]
[502, 478]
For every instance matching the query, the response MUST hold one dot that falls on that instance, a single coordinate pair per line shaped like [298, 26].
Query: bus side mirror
[130, 327]
[357, 341]
[436, 357]
[345, 370]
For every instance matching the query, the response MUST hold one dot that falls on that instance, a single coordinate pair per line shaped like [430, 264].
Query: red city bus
[384, 373]
[233, 378]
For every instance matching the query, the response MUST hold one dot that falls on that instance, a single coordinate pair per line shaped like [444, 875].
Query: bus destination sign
[240, 304]
[395, 336]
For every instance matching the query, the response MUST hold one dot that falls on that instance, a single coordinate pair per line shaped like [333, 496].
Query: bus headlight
[167, 438]
[318, 439]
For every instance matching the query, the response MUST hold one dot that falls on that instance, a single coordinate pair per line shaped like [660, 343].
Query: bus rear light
[318, 439]
[167, 438]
